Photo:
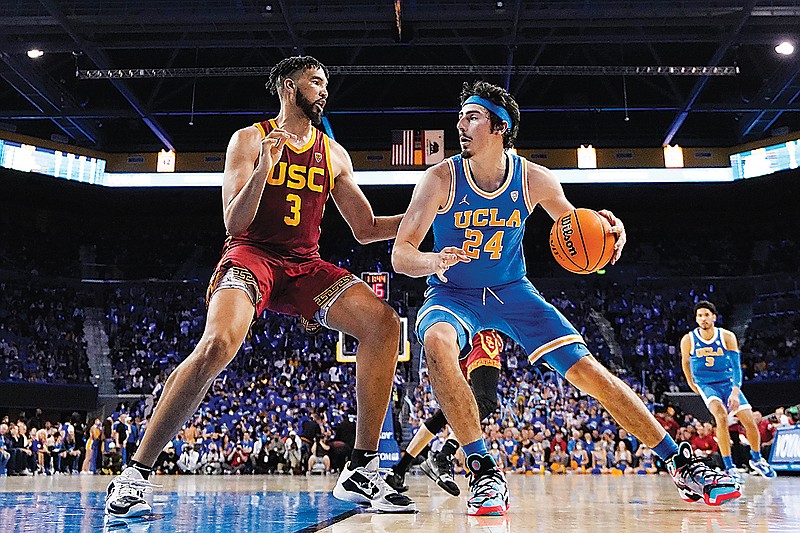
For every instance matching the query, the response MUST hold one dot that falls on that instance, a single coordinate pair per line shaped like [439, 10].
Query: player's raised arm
[686, 353]
[354, 206]
[429, 194]
[242, 185]
[552, 199]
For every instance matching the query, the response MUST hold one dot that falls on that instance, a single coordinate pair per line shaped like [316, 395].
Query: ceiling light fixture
[785, 48]
[35, 53]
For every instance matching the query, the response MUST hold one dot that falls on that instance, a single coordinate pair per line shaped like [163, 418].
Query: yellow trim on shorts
[446, 310]
[554, 345]
[325, 297]
[483, 361]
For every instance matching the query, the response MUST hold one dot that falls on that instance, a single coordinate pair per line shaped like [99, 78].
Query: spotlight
[673, 156]
[587, 157]
[35, 53]
[499, 5]
[785, 48]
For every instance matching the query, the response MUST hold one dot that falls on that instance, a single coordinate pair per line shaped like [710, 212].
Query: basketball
[581, 242]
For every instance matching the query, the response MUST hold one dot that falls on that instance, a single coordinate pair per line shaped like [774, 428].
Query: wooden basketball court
[288, 504]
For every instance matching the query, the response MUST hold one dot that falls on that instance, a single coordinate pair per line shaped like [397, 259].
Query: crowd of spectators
[773, 343]
[41, 334]
[542, 426]
[285, 405]
[291, 416]
[150, 329]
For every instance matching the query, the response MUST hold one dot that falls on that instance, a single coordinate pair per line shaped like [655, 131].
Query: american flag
[402, 147]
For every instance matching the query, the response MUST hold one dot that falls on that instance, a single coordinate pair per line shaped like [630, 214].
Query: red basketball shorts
[299, 287]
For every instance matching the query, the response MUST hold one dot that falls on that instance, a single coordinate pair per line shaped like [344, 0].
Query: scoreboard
[378, 282]
[347, 345]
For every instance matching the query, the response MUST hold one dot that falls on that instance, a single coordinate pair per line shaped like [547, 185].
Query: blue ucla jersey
[489, 226]
[709, 360]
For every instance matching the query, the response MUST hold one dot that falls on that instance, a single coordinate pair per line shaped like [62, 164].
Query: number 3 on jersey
[293, 219]
[474, 239]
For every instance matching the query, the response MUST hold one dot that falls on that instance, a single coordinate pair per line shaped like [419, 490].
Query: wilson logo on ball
[566, 232]
[581, 241]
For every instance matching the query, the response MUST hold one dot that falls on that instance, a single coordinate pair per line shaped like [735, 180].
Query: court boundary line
[330, 521]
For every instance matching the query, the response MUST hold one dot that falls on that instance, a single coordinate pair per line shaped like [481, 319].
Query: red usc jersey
[290, 212]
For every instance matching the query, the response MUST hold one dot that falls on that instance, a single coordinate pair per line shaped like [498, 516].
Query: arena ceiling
[211, 56]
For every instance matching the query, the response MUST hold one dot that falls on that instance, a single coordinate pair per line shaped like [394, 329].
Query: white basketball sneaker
[365, 485]
[763, 468]
[129, 494]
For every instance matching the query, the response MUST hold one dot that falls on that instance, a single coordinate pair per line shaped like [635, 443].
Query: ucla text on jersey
[489, 226]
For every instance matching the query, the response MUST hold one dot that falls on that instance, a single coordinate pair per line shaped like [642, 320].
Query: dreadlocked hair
[287, 67]
[499, 96]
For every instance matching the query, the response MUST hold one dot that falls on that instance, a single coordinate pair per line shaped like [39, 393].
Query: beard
[467, 152]
[308, 109]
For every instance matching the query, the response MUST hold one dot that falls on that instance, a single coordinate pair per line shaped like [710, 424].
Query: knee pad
[486, 404]
[436, 423]
[483, 380]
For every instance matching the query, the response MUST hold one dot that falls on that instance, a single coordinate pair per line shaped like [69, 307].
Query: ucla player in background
[713, 368]
[477, 203]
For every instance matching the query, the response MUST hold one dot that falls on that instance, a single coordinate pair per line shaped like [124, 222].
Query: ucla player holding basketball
[477, 203]
[278, 176]
[713, 368]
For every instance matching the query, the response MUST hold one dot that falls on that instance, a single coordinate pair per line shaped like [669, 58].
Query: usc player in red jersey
[278, 176]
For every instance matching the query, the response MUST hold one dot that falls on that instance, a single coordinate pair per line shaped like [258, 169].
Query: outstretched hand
[618, 229]
[448, 257]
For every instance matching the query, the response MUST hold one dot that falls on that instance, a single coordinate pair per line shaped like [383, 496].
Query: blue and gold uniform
[491, 291]
[715, 369]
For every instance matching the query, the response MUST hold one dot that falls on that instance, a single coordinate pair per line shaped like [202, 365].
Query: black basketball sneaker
[439, 467]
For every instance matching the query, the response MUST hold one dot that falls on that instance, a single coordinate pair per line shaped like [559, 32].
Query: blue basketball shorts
[721, 391]
[516, 309]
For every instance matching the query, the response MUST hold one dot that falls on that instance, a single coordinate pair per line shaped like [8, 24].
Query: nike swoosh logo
[364, 487]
